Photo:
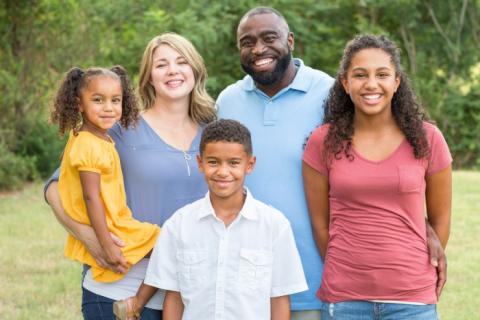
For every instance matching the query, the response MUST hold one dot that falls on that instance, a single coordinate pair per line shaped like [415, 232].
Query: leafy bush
[41, 144]
[14, 169]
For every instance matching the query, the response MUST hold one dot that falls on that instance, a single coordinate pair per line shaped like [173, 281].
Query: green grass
[39, 283]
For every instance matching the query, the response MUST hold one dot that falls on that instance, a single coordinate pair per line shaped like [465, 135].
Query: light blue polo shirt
[280, 127]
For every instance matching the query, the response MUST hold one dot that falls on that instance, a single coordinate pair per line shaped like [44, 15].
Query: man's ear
[291, 41]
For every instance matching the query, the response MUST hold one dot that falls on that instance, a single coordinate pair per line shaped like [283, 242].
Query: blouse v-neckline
[160, 139]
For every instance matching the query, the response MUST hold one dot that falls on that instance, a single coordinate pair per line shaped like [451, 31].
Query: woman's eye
[359, 75]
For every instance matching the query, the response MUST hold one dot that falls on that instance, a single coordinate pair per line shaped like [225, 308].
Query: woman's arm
[96, 213]
[172, 306]
[439, 211]
[82, 232]
[280, 308]
[316, 193]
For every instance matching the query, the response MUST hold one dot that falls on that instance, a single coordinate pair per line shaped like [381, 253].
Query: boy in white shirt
[226, 256]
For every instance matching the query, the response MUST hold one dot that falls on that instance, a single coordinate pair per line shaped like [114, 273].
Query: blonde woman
[158, 162]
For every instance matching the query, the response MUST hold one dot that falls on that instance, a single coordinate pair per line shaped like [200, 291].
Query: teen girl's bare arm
[82, 232]
[439, 211]
[172, 306]
[280, 308]
[316, 193]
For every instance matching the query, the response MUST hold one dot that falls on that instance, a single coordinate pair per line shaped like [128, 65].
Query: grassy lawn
[39, 283]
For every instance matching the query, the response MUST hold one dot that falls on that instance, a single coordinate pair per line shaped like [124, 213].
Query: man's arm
[82, 232]
[280, 308]
[316, 192]
[439, 209]
[172, 306]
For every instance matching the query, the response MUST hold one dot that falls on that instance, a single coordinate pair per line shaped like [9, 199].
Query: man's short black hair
[264, 10]
[228, 131]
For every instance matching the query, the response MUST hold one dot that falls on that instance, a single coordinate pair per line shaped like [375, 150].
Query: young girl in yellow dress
[91, 188]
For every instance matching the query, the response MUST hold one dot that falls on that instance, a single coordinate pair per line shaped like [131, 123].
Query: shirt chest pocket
[192, 267]
[255, 269]
[410, 178]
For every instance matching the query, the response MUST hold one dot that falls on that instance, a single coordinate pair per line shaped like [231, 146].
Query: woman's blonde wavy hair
[202, 107]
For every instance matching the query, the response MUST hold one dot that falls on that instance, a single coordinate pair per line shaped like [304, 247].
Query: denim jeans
[96, 307]
[366, 310]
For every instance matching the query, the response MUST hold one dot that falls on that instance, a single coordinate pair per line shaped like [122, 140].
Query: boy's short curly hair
[229, 131]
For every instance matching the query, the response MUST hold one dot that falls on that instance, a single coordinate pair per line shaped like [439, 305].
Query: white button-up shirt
[227, 272]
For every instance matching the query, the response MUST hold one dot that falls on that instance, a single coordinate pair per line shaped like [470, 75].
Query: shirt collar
[301, 81]
[248, 211]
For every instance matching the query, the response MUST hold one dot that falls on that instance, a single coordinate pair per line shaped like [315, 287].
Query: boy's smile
[225, 165]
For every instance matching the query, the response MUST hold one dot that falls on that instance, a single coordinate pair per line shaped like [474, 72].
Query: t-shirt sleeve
[440, 156]
[313, 155]
[163, 266]
[287, 271]
[89, 155]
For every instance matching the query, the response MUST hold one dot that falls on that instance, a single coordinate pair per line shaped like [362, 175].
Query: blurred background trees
[42, 39]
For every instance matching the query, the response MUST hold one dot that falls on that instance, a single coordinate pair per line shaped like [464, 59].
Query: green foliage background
[41, 39]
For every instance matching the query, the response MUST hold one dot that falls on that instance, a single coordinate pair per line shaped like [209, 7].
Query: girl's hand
[89, 239]
[114, 257]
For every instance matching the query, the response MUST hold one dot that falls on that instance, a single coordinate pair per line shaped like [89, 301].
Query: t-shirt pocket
[255, 269]
[410, 178]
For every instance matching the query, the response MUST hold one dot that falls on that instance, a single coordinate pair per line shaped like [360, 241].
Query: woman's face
[371, 82]
[171, 75]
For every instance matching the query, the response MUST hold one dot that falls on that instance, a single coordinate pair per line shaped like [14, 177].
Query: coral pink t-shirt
[377, 248]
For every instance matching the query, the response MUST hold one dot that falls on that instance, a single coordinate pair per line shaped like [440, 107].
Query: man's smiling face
[265, 47]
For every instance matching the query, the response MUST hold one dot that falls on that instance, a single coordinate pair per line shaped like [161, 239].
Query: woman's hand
[82, 232]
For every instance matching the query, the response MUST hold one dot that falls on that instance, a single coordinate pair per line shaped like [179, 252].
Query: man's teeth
[372, 96]
[263, 62]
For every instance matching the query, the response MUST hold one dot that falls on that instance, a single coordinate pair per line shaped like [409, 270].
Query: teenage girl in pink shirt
[373, 172]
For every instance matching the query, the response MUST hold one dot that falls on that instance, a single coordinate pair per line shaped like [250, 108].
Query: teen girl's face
[371, 82]
[101, 102]
[171, 75]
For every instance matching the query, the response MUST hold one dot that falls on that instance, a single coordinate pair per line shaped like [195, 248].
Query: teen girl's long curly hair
[340, 111]
[66, 106]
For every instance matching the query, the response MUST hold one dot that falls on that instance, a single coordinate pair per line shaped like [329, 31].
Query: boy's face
[225, 165]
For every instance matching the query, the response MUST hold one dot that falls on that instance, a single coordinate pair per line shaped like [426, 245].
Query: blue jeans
[366, 310]
[96, 307]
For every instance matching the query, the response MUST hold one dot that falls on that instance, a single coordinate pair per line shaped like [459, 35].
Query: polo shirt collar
[301, 81]
[248, 211]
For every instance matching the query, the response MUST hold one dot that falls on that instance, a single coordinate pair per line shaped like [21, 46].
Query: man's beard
[268, 78]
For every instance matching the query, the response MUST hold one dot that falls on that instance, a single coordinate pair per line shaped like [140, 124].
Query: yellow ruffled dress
[87, 152]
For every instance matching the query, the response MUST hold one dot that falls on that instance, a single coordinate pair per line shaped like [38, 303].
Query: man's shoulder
[234, 89]
[318, 76]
